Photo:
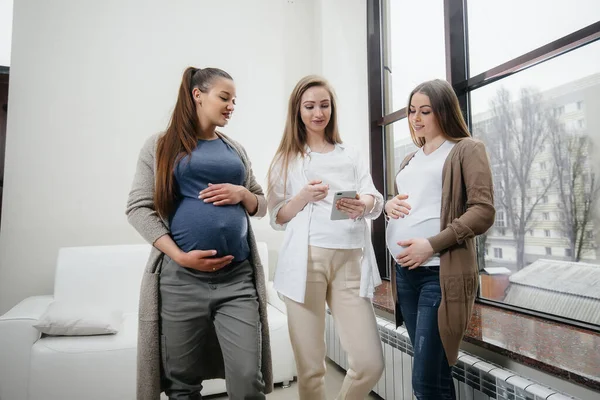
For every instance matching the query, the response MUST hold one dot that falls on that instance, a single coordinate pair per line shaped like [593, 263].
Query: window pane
[546, 185]
[400, 144]
[412, 54]
[519, 26]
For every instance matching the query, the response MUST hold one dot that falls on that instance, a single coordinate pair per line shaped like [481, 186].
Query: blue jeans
[419, 296]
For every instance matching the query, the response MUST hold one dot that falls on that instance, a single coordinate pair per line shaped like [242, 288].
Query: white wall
[89, 82]
[344, 63]
[6, 14]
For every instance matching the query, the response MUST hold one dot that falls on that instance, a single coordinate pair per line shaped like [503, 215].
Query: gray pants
[195, 304]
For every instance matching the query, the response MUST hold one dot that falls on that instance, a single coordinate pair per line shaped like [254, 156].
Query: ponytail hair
[180, 138]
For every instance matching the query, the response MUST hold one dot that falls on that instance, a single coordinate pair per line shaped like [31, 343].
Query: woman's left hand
[416, 253]
[354, 208]
[223, 194]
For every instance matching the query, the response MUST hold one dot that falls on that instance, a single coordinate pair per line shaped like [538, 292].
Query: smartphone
[336, 214]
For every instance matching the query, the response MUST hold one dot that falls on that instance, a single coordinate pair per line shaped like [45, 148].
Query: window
[523, 94]
[497, 252]
[571, 107]
[568, 253]
[546, 216]
[558, 111]
[487, 49]
[500, 222]
[397, 133]
[400, 76]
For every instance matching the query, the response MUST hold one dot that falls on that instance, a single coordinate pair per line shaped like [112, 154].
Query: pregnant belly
[407, 228]
[196, 225]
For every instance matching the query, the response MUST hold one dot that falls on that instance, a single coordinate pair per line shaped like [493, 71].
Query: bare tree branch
[577, 186]
[518, 133]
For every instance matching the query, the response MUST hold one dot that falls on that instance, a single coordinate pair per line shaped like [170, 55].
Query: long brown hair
[293, 141]
[180, 138]
[446, 109]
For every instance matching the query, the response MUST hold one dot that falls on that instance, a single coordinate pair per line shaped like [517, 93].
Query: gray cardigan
[143, 217]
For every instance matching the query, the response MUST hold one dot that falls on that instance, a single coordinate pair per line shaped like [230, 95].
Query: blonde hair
[293, 141]
[446, 109]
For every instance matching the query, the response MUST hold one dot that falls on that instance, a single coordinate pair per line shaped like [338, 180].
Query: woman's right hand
[397, 207]
[314, 191]
[198, 260]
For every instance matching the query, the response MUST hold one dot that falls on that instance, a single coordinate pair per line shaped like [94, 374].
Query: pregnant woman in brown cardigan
[444, 199]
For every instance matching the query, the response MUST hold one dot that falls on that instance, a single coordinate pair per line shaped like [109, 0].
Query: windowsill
[561, 350]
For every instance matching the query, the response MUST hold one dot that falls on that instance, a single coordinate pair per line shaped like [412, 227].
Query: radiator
[474, 378]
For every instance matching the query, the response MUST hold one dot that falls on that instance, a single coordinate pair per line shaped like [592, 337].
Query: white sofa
[100, 367]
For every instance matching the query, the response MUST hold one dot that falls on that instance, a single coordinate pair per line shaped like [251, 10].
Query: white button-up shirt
[290, 276]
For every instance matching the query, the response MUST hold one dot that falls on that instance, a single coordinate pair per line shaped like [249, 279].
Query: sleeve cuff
[273, 219]
[443, 240]
[375, 212]
[157, 235]
[261, 208]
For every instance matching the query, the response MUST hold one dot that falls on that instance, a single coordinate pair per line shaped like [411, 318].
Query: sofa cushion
[126, 338]
[73, 319]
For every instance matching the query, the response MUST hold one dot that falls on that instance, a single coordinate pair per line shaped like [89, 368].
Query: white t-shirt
[421, 180]
[336, 170]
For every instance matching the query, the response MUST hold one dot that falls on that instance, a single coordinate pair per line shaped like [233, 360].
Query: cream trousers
[333, 277]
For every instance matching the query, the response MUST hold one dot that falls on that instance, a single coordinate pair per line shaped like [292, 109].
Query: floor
[333, 382]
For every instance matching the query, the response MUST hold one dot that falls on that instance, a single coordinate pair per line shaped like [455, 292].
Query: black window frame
[457, 73]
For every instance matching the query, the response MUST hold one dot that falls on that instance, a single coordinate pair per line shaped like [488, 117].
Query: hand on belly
[223, 194]
[198, 260]
[416, 252]
[397, 207]
[406, 239]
